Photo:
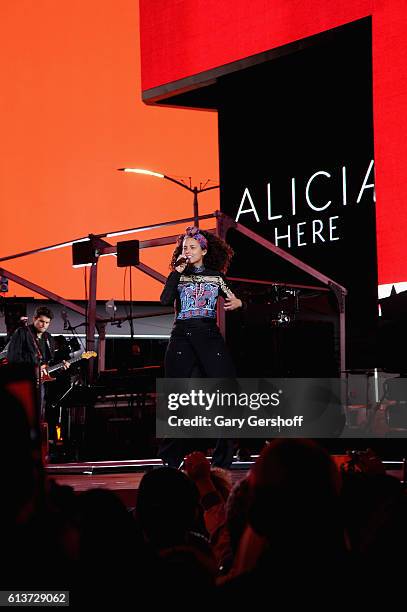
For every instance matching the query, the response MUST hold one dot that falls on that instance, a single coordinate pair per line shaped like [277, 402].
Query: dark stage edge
[122, 466]
[123, 477]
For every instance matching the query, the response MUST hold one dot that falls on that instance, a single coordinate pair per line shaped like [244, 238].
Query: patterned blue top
[198, 299]
[196, 295]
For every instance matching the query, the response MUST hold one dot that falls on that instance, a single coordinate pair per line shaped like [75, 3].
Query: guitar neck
[61, 365]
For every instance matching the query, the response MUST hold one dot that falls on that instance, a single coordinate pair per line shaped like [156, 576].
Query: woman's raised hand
[181, 263]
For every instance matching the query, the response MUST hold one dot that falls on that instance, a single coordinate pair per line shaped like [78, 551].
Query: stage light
[110, 308]
[141, 171]
[3, 284]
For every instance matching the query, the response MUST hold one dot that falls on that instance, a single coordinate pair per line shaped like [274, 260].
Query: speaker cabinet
[128, 253]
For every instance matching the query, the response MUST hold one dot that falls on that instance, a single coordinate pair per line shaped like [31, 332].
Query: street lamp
[195, 190]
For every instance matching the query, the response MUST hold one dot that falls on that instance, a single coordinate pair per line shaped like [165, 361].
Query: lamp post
[195, 190]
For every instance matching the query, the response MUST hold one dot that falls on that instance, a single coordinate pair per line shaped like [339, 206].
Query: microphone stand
[59, 403]
[72, 330]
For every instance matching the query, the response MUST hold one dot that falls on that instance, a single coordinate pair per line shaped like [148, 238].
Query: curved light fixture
[142, 171]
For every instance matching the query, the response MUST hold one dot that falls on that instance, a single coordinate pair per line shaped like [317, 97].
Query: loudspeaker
[83, 253]
[128, 253]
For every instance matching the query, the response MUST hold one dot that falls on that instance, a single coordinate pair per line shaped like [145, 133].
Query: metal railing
[223, 224]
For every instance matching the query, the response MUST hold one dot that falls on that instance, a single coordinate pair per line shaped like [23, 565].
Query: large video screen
[297, 167]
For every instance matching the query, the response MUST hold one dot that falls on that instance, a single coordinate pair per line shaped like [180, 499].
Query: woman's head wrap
[193, 232]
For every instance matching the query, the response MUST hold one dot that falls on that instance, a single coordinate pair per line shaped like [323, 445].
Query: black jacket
[22, 347]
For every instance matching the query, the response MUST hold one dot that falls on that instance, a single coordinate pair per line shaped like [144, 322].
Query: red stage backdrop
[70, 114]
[193, 38]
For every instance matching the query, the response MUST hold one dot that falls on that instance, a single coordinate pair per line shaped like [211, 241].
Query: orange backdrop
[71, 113]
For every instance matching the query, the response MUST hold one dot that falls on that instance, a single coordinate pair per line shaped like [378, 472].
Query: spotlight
[110, 308]
[3, 284]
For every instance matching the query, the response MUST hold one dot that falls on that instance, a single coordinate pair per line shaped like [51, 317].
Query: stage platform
[123, 477]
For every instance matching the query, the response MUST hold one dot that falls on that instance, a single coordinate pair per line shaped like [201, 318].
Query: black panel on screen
[296, 133]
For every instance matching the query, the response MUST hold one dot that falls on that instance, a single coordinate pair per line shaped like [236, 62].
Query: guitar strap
[40, 387]
[48, 345]
[40, 356]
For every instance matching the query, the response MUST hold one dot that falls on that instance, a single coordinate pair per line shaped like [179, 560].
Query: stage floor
[124, 477]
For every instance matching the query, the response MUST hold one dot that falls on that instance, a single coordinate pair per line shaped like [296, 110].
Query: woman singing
[196, 348]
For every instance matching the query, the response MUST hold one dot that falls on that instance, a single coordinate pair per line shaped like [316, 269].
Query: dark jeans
[197, 350]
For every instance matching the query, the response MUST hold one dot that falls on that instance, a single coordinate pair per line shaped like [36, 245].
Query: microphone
[181, 261]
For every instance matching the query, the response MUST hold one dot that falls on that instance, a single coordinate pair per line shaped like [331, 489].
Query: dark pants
[197, 350]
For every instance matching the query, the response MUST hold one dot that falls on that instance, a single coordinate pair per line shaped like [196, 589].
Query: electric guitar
[3, 355]
[45, 372]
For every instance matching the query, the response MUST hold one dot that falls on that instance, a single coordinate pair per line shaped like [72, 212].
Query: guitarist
[34, 345]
